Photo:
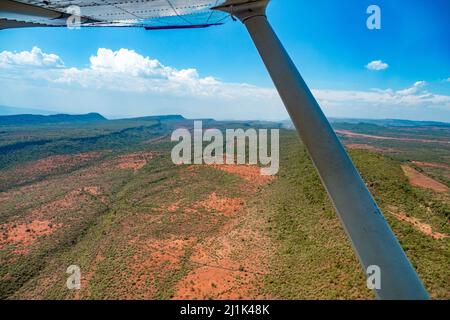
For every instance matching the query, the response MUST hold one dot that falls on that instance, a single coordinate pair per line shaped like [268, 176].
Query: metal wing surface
[149, 14]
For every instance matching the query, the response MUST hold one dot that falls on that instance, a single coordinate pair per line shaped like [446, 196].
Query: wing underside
[149, 14]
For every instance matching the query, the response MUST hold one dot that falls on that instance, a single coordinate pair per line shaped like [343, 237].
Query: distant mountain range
[379, 122]
[27, 119]
[30, 119]
[170, 117]
[391, 122]
[23, 116]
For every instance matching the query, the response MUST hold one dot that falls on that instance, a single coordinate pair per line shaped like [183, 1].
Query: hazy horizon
[37, 111]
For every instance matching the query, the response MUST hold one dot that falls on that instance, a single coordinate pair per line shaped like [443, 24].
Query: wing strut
[371, 237]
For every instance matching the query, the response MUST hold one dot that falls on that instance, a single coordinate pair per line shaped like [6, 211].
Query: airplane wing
[148, 14]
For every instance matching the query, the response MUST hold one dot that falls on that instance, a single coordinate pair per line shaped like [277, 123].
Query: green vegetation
[314, 251]
[133, 221]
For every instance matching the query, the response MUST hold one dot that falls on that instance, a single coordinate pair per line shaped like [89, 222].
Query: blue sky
[216, 72]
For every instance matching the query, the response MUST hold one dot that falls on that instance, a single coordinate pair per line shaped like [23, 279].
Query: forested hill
[27, 119]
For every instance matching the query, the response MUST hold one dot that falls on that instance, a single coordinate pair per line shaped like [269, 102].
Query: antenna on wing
[232, 14]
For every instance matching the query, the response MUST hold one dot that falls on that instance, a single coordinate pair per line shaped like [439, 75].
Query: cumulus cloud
[126, 70]
[377, 65]
[33, 58]
[128, 62]
[125, 79]
[408, 97]
[413, 89]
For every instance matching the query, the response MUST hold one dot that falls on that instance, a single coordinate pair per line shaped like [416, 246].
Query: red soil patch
[5, 196]
[157, 253]
[153, 261]
[249, 173]
[419, 225]
[231, 262]
[96, 192]
[167, 250]
[169, 208]
[362, 146]
[418, 179]
[210, 282]
[93, 190]
[173, 207]
[431, 165]
[134, 161]
[224, 205]
[48, 164]
[69, 201]
[38, 222]
[228, 265]
[25, 234]
[351, 134]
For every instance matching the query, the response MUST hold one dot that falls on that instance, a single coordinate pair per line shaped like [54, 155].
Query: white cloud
[33, 58]
[419, 84]
[377, 65]
[126, 70]
[125, 82]
[409, 97]
[128, 62]
[411, 90]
